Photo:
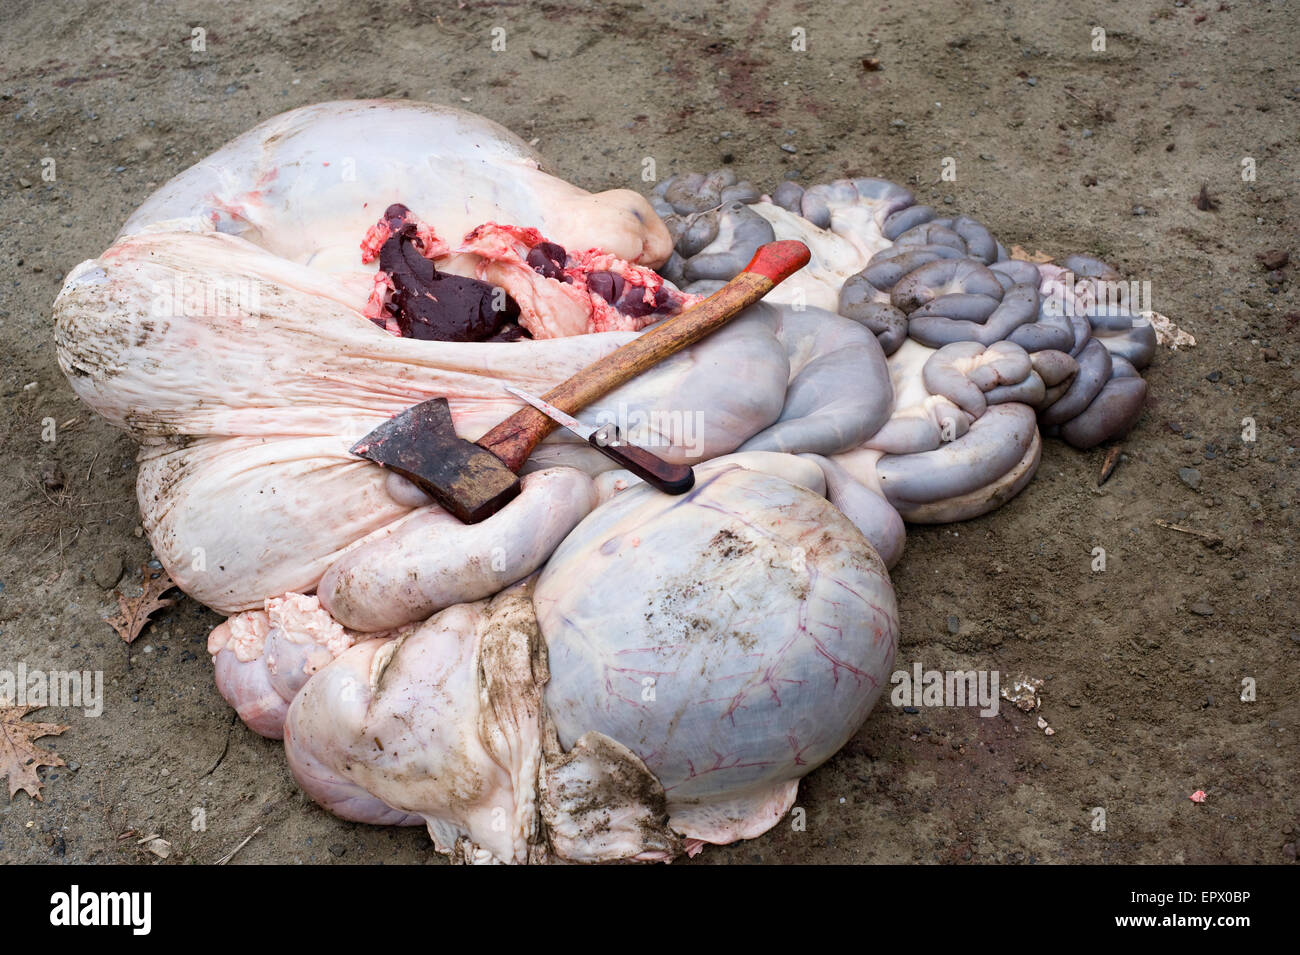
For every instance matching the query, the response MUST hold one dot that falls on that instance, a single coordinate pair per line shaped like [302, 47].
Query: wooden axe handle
[514, 439]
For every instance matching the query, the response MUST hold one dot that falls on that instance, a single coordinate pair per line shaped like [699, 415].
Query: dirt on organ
[1057, 147]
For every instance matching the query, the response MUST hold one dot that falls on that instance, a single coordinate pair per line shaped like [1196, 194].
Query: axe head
[421, 445]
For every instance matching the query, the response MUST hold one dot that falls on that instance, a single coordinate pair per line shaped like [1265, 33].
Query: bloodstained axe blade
[421, 444]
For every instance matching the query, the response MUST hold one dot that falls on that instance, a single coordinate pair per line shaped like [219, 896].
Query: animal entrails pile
[599, 671]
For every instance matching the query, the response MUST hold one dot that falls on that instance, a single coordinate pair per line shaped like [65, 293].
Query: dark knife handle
[655, 471]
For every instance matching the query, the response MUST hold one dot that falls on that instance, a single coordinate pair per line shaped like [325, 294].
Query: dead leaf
[1108, 465]
[158, 846]
[1167, 333]
[134, 614]
[1018, 253]
[1025, 693]
[19, 759]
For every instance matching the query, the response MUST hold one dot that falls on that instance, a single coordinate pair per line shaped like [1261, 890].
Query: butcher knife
[669, 478]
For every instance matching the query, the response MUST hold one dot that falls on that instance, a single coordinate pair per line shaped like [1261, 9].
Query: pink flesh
[554, 309]
[431, 247]
[548, 307]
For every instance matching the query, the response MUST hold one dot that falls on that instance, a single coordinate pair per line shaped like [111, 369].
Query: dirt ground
[1058, 147]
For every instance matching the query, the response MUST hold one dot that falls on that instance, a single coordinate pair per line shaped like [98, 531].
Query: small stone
[954, 624]
[1191, 477]
[1214, 376]
[1139, 210]
[107, 572]
[1201, 609]
[1087, 134]
[911, 710]
[25, 183]
[787, 148]
[1033, 618]
[1273, 259]
[338, 849]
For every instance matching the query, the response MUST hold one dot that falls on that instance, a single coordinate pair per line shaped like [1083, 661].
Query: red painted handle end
[778, 261]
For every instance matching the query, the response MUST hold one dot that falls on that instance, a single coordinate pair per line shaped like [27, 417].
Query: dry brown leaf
[1024, 255]
[157, 845]
[1108, 465]
[19, 759]
[134, 613]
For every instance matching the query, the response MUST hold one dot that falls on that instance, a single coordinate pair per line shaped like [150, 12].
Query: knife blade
[669, 478]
